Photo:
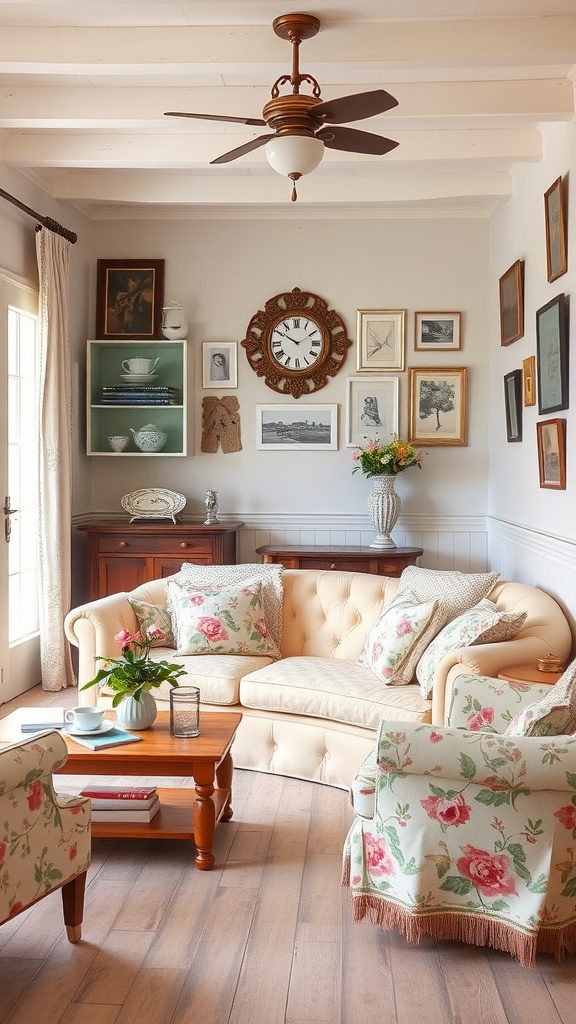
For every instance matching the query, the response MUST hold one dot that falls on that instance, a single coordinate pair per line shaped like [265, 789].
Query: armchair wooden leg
[73, 906]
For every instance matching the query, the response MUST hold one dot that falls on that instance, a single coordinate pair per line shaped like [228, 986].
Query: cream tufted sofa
[314, 713]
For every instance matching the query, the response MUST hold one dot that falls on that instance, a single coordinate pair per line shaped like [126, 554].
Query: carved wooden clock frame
[296, 343]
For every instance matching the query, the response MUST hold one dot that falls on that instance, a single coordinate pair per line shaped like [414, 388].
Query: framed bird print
[380, 340]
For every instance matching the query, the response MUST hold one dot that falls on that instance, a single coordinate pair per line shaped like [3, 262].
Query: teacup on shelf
[139, 365]
[118, 442]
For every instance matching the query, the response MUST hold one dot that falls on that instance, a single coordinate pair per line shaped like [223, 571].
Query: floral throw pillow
[481, 624]
[552, 715]
[396, 641]
[243, 574]
[153, 615]
[226, 621]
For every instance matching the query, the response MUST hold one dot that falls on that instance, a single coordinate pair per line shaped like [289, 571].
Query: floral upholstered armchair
[464, 833]
[44, 840]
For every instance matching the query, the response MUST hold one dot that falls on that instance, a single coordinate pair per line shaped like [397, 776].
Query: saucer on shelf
[73, 731]
[138, 378]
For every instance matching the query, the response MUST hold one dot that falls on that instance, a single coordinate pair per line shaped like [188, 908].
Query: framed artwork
[552, 453]
[552, 355]
[300, 428]
[529, 378]
[219, 364]
[380, 339]
[512, 303]
[437, 331]
[513, 405]
[129, 298]
[555, 213]
[371, 409]
[438, 406]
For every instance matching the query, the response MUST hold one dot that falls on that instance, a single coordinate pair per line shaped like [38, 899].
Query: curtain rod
[47, 222]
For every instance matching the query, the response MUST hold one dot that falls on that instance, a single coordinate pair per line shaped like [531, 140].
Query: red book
[115, 793]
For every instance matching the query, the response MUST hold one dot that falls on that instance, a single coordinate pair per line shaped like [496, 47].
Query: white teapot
[149, 438]
[174, 322]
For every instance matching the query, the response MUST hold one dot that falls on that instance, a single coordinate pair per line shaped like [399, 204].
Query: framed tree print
[555, 214]
[552, 453]
[552, 355]
[438, 413]
[512, 303]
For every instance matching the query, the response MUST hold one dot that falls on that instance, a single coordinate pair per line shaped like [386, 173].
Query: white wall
[224, 270]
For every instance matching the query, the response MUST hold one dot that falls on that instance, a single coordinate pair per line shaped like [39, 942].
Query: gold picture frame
[552, 453]
[555, 216]
[380, 340]
[529, 380]
[129, 297]
[438, 405]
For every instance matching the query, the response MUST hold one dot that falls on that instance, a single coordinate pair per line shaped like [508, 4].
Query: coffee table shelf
[174, 820]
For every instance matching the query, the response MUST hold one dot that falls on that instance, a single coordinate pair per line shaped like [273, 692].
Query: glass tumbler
[185, 711]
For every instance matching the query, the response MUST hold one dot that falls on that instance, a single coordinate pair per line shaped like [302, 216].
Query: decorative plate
[153, 503]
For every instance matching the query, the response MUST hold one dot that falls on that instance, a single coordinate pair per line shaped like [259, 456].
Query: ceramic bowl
[118, 442]
[150, 440]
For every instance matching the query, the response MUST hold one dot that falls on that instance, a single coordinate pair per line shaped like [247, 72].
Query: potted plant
[133, 675]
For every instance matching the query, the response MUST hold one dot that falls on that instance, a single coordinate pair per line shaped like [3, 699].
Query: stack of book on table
[122, 803]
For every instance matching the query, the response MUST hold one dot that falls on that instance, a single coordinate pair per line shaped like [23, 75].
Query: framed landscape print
[380, 339]
[219, 364]
[555, 214]
[552, 453]
[513, 405]
[371, 409]
[552, 355]
[438, 411]
[300, 428]
[436, 331]
[512, 303]
[129, 297]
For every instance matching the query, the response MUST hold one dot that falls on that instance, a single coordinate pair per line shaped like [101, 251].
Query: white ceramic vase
[383, 509]
[137, 714]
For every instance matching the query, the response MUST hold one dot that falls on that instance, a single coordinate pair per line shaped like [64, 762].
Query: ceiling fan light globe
[294, 155]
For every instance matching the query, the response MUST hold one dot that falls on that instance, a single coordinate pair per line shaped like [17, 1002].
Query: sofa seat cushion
[327, 688]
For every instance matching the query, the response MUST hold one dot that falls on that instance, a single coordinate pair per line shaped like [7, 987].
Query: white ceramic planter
[135, 714]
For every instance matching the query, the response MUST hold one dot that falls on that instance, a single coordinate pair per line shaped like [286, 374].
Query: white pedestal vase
[137, 714]
[383, 509]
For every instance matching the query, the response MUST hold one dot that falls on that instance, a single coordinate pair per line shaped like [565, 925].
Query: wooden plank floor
[264, 938]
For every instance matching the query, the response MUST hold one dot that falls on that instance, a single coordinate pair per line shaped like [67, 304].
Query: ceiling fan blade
[216, 117]
[355, 108]
[233, 154]
[350, 140]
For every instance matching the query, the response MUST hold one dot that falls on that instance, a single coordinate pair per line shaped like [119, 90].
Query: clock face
[296, 342]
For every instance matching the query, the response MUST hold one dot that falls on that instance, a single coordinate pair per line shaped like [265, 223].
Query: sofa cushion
[229, 620]
[217, 678]
[326, 688]
[456, 590]
[399, 637]
[229, 575]
[153, 615]
[552, 715]
[481, 624]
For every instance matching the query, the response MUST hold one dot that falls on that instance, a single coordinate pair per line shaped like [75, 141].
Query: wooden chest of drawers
[350, 559]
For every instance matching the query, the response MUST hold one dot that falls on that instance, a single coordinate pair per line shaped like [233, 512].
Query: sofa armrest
[92, 628]
[482, 704]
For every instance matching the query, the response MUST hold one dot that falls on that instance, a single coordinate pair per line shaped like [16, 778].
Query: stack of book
[123, 394]
[122, 803]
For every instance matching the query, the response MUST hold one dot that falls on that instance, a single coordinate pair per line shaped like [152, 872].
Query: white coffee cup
[86, 718]
[139, 365]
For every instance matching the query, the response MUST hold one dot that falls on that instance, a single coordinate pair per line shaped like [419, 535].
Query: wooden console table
[121, 556]
[351, 559]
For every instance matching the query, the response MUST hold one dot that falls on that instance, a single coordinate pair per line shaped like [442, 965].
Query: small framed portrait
[371, 409]
[513, 405]
[552, 453]
[380, 339]
[529, 380]
[555, 215]
[129, 297]
[297, 428]
[219, 364]
[552, 355]
[438, 411]
[512, 303]
[437, 331]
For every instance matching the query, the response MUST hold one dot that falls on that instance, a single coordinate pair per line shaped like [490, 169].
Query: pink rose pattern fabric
[472, 838]
[483, 704]
[396, 641]
[226, 621]
[44, 839]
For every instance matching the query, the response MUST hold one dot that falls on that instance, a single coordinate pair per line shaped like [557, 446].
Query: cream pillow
[456, 590]
[396, 641]
[552, 715]
[226, 621]
[481, 624]
[227, 575]
[153, 615]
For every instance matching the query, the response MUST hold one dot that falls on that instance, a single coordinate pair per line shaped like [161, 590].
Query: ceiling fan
[303, 124]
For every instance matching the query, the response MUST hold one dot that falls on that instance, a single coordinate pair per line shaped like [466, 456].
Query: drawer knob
[123, 544]
[333, 566]
[184, 544]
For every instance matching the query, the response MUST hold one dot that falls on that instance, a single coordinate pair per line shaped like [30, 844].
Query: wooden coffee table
[184, 812]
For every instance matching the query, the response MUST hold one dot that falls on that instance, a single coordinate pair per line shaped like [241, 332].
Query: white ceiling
[84, 87]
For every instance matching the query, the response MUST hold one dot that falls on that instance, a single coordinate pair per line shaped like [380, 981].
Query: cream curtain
[55, 469]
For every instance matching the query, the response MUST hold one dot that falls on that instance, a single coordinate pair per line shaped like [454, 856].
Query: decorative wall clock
[296, 343]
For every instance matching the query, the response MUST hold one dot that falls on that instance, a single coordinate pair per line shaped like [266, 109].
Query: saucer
[138, 378]
[73, 731]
